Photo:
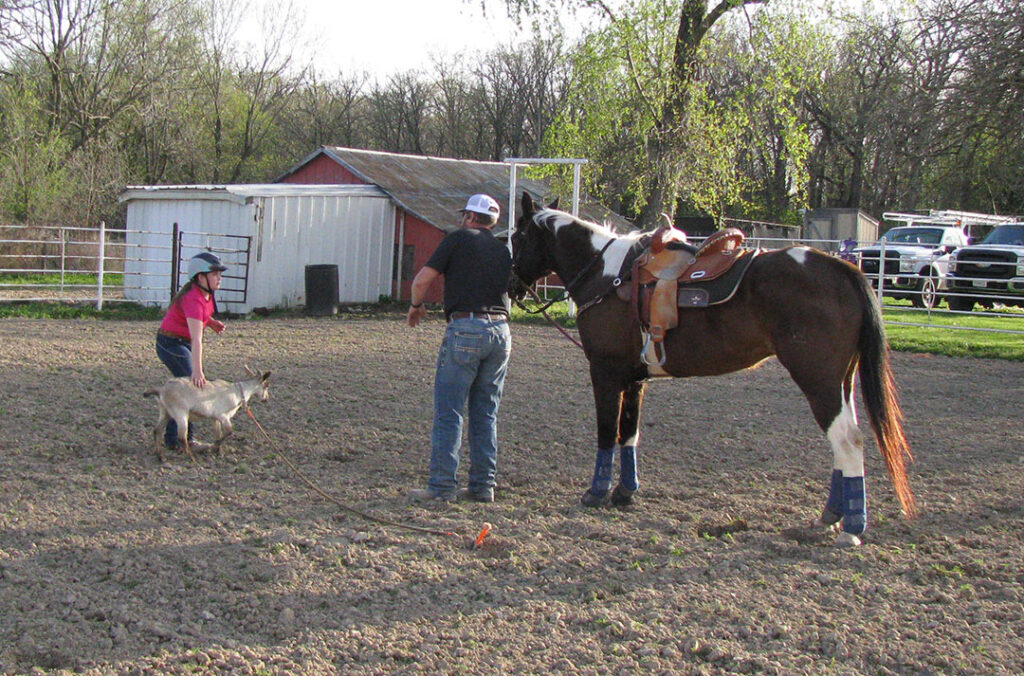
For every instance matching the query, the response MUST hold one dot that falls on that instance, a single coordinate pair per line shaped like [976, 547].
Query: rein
[544, 311]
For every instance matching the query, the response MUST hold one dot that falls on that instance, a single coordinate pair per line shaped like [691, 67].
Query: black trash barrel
[321, 290]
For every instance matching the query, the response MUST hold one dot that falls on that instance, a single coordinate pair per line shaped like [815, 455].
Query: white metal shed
[285, 227]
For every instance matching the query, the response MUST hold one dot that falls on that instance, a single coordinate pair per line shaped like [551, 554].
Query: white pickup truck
[916, 261]
[917, 253]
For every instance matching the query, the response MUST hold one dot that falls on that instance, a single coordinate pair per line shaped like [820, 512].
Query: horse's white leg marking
[846, 494]
[847, 441]
[799, 253]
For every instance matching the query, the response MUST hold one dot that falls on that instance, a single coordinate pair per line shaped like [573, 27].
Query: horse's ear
[529, 207]
[554, 204]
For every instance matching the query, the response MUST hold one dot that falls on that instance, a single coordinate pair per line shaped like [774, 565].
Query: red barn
[427, 192]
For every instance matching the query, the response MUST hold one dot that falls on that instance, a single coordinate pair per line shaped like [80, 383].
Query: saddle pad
[718, 290]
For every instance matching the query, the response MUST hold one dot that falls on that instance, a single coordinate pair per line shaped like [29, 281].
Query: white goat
[219, 401]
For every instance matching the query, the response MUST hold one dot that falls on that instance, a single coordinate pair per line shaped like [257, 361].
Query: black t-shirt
[476, 268]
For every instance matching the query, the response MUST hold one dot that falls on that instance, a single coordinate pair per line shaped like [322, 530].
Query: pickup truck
[916, 261]
[991, 271]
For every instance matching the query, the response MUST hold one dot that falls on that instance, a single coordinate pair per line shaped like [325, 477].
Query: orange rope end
[484, 532]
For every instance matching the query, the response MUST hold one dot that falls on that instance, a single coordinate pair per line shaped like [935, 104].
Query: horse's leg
[835, 411]
[629, 437]
[608, 403]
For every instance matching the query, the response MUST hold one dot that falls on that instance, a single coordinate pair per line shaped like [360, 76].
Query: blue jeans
[471, 367]
[177, 357]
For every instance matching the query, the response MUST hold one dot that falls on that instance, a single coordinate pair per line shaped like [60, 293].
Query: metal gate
[233, 250]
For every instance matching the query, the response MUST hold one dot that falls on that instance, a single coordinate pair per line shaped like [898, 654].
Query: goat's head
[264, 382]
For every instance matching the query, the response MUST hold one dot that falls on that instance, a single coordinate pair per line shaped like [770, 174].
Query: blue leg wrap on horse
[627, 477]
[602, 482]
[834, 505]
[855, 505]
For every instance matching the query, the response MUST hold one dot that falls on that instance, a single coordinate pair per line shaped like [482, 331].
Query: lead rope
[544, 312]
[316, 489]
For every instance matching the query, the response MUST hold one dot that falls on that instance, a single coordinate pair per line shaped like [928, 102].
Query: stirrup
[643, 352]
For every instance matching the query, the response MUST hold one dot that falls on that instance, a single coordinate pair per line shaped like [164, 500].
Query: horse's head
[532, 249]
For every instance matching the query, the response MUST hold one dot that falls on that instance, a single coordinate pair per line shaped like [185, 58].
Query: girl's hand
[217, 325]
[198, 379]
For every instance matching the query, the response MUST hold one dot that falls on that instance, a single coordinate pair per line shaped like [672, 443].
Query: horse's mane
[555, 219]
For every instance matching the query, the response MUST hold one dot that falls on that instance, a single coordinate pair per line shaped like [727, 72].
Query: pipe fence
[107, 265]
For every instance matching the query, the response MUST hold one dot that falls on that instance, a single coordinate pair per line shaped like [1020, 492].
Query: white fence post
[99, 271]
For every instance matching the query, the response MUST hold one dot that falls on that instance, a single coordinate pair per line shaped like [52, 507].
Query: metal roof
[244, 192]
[435, 188]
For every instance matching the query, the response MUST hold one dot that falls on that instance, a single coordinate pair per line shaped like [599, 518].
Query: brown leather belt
[167, 334]
[477, 315]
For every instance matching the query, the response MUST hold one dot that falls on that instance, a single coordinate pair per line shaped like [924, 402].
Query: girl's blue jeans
[176, 355]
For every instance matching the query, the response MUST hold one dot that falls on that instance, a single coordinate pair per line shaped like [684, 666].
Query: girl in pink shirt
[179, 341]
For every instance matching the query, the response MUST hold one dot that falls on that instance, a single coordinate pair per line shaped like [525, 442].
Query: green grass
[79, 310]
[974, 339]
[53, 278]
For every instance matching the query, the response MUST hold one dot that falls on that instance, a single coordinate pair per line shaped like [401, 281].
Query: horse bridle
[566, 291]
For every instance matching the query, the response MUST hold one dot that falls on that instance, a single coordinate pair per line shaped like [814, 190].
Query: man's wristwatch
[416, 305]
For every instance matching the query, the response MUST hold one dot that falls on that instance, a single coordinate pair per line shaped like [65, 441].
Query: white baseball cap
[482, 204]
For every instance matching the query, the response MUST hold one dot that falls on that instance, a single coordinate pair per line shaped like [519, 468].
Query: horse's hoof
[847, 540]
[591, 500]
[622, 497]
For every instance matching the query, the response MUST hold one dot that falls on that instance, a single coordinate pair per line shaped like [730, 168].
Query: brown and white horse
[812, 311]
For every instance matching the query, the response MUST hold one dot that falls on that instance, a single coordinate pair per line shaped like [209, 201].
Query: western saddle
[671, 262]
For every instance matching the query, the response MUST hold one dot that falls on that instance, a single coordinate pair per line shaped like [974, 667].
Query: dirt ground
[112, 563]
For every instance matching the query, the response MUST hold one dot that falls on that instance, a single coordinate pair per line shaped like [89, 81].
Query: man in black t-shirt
[474, 354]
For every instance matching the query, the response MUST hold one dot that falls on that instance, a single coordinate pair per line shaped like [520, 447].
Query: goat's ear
[265, 376]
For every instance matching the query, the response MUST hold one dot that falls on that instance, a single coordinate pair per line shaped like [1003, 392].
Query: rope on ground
[316, 489]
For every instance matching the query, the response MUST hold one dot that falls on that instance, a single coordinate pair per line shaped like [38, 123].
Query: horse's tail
[879, 390]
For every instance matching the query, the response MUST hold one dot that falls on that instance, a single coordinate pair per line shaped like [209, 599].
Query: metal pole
[99, 272]
[511, 202]
[175, 253]
[63, 252]
[881, 269]
[576, 188]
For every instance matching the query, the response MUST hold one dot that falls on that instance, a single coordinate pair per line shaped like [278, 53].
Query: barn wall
[424, 238]
[419, 234]
[323, 170]
[353, 233]
[289, 232]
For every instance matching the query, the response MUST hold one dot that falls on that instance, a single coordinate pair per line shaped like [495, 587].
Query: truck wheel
[926, 293]
[960, 303]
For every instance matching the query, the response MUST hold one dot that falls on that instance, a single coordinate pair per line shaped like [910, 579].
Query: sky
[385, 37]
[389, 36]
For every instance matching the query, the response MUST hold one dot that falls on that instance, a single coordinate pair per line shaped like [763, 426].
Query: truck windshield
[1006, 234]
[916, 235]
